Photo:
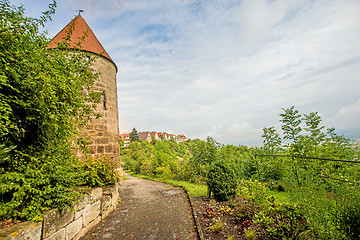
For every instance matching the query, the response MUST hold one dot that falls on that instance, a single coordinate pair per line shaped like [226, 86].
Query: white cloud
[237, 133]
[191, 65]
[347, 118]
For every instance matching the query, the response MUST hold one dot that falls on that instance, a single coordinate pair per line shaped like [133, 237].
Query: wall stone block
[55, 219]
[82, 202]
[100, 149]
[91, 212]
[95, 194]
[22, 231]
[87, 228]
[59, 235]
[108, 149]
[73, 228]
[105, 207]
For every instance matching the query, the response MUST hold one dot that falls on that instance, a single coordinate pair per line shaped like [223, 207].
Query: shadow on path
[148, 210]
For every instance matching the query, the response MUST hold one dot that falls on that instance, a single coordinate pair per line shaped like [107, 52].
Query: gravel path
[149, 210]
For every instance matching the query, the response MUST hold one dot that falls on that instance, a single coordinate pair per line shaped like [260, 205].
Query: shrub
[34, 185]
[221, 181]
[350, 221]
[42, 109]
[210, 212]
[98, 172]
[281, 221]
[248, 168]
[245, 210]
[218, 226]
[252, 190]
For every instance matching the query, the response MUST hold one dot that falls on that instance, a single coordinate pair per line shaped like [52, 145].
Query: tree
[221, 180]
[134, 136]
[272, 139]
[291, 123]
[42, 109]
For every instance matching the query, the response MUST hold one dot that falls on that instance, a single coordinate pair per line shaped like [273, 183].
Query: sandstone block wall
[104, 131]
[68, 224]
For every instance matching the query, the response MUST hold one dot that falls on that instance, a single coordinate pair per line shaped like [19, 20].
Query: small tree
[134, 136]
[222, 181]
[272, 140]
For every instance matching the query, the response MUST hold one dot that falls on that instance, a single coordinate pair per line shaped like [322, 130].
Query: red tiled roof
[125, 137]
[90, 43]
[182, 136]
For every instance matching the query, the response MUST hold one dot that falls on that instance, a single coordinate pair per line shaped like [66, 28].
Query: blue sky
[226, 68]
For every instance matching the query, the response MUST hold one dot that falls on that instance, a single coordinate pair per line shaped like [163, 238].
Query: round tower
[102, 132]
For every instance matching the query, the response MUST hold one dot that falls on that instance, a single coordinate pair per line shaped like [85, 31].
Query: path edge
[197, 223]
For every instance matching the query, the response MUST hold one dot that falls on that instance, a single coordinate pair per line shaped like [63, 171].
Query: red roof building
[125, 137]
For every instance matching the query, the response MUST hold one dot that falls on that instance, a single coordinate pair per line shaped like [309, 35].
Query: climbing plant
[42, 109]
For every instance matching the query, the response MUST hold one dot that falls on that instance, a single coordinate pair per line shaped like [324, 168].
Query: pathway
[148, 210]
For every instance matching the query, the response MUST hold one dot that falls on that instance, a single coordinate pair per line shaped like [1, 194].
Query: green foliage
[122, 143]
[281, 221]
[97, 172]
[222, 181]
[217, 226]
[291, 123]
[134, 136]
[245, 210]
[36, 184]
[327, 190]
[272, 140]
[45, 97]
[187, 161]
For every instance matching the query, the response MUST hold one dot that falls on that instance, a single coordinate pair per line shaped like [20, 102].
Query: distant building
[182, 138]
[147, 136]
[125, 137]
[154, 135]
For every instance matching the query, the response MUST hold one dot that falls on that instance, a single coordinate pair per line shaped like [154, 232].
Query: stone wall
[103, 132]
[68, 224]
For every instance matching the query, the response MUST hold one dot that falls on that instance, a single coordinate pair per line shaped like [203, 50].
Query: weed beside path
[148, 210]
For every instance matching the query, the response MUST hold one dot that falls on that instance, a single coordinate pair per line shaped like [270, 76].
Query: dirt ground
[230, 230]
[148, 210]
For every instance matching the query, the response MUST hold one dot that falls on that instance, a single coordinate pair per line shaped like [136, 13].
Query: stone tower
[104, 131]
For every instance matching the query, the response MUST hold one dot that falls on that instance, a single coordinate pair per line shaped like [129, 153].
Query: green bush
[97, 172]
[248, 169]
[245, 210]
[282, 221]
[35, 184]
[42, 110]
[222, 181]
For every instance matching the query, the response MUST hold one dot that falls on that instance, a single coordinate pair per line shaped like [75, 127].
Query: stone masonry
[68, 224]
[104, 132]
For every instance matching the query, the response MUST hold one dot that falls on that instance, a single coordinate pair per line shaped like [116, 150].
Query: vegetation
[326, 190]
[222, 181]
[42, 110]
[279, 193]
[134, 136]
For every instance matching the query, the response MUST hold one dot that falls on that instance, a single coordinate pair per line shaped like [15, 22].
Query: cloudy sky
[225, 68]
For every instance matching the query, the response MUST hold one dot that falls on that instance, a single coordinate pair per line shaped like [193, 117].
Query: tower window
[104, 99]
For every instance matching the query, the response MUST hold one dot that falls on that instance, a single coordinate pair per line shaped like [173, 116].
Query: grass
[281, 197]
[194, 190]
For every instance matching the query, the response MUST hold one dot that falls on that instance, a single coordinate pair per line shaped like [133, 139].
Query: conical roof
[90, 42]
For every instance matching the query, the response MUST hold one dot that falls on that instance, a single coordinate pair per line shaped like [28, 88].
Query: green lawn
[194, 190]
